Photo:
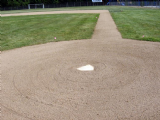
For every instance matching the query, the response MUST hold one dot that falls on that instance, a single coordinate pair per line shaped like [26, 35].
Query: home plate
[86, 68]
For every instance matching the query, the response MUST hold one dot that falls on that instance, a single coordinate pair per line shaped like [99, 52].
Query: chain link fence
[155, 4]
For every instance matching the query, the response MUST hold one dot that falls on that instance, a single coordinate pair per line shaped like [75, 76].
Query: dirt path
[42, 82]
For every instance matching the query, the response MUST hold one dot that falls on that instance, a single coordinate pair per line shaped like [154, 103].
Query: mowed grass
[19, 31]
[110, 8]
[133, 23]
[142, 24]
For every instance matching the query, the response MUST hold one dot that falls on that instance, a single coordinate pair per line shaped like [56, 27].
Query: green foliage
[14, 3]
[56, 1]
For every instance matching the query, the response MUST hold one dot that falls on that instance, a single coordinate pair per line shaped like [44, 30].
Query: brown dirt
[41, 82]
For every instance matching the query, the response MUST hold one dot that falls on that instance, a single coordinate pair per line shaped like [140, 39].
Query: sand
[42, 82]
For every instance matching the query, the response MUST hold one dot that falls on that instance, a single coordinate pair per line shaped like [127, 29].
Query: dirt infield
[42, 82]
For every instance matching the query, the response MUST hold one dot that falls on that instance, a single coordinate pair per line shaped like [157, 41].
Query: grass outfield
[133, 22]
[110, 8]
[21, 31]
[138, 24]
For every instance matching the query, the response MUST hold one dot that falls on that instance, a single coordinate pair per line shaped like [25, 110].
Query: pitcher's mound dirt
[42, 82]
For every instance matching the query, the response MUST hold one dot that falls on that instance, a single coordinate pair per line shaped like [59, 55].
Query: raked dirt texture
[42, 82]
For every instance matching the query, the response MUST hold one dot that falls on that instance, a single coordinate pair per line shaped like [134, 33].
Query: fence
[155, 4]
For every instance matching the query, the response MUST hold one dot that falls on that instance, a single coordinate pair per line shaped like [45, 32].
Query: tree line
[15, 3]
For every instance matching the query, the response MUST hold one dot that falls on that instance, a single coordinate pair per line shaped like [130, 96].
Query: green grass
[21, 31]
[138, 23]
[132, 22]
[110, 8]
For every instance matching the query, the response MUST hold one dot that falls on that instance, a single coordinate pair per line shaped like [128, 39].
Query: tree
[3, 3]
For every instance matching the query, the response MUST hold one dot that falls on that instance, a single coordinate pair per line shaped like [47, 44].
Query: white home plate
[86, 68]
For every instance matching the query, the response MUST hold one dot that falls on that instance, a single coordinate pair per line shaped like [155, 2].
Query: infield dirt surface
[42, 82]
